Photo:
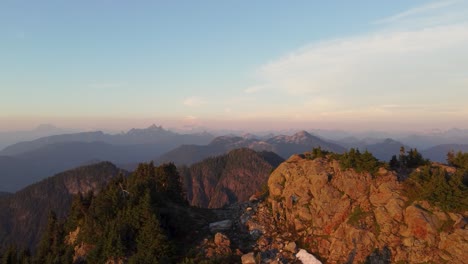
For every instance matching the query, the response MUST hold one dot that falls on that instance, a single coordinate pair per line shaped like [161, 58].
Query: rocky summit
[347, 217]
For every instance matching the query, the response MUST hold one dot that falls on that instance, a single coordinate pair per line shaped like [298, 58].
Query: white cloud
[414, 69]
[194, 101]
[419, 69]
[381, 59]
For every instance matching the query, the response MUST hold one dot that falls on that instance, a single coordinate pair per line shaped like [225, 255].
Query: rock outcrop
[307, 258]
[343, 216]
[248, 258]
[220, 226]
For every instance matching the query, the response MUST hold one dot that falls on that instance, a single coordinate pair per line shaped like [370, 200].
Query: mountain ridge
[26, 162]
[230, 178]
[151, 135]
[24, 213]
[282, 145]
[439, 152]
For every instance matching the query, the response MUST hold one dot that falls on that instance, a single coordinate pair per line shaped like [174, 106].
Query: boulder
[248, 258]
[421, 224]
[220, 226]
[222, 240]
[291, 247]
[307, 258]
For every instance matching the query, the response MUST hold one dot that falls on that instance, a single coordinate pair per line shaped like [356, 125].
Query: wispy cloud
[399, 68]
[420, 10]
[397, 61]
[194, 101]
[427, 108]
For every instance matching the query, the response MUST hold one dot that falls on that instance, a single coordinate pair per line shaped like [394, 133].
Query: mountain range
[381, 149]
[282, 145]
[439, 152]
[8, 138]
[27, 162]
[420, 140]
[154, 135]
[434, 138]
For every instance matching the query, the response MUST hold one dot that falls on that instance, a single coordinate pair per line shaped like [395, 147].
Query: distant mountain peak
[302, 135]
[302, 132]
[391, 141]
[246, 135]
[155, 127]
[149, 130]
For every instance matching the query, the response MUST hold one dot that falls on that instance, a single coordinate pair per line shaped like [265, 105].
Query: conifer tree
[52, 248]
[10, 256]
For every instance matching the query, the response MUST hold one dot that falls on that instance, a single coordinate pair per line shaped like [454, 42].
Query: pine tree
[51, 247]
[152, 244]
[394, 163]
[25, 257]
[10, 256]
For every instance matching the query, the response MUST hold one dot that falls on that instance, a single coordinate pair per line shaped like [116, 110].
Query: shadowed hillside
[439, 152]
[230, 178]
[24, 214]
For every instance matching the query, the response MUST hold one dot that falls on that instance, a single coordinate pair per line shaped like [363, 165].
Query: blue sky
[234, 64]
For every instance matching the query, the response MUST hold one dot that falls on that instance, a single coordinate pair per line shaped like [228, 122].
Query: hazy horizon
[253, 66]
[219, 128]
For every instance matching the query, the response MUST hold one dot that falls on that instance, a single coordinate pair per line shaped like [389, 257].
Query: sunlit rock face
[342, 215]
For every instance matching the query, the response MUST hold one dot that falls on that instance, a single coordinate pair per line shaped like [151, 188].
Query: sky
[253, 65]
